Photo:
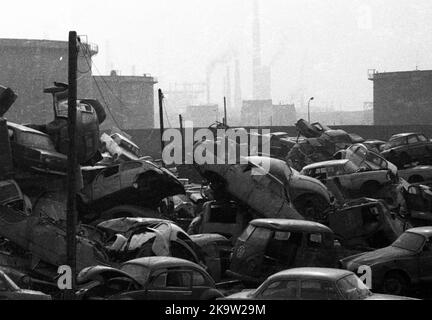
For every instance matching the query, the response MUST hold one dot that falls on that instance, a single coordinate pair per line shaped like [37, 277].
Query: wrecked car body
[417, 174]
[309, 196]
[268, 246]
[251, 185]
[45, 240]
[9, 290]
[153, 278]
[355, 179]
[130, 238]
[34, 150]
[365, 223]
[133, 182]
[418, 199]
[406, 148]
[400, 266]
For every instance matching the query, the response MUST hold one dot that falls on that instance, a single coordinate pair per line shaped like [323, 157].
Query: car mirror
[337, 243]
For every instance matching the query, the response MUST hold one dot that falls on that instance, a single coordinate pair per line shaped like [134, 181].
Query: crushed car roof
[290, 225]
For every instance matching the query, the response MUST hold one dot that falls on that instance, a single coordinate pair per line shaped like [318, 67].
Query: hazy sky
[319, 47]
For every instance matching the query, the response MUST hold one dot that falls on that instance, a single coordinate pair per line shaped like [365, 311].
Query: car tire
[395, 283]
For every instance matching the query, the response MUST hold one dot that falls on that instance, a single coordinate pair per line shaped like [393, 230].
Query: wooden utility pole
[161, 119]
[182, 134]
[225, 122]
[71, 217]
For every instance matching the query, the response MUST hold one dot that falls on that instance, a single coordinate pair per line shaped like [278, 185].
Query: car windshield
[395, 143]
[352, 288]
[35, 140]
[409, 241]
[350, 167]
[62, 108]
[138, 272]
[7, 282]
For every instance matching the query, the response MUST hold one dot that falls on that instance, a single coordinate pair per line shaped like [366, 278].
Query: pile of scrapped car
[328, 200]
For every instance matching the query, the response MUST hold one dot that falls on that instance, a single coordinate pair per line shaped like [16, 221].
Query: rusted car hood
[379, 256]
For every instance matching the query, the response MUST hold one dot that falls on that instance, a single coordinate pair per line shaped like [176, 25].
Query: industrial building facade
[130, 99]
[402, 98]
[29, 66]
[264, 113]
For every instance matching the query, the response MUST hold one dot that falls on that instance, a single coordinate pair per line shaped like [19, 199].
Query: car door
[415, 148]
[425, 262]
[316, 251]
[129, 172]
[106, 182]
[171, 284]
[201, 283]
[318, 290]
[424, 144]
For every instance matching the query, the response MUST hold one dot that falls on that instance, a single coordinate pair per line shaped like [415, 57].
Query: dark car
[312, 284]
[10, 291]
[271, 245]
[401, 266]
[152, 278]
[403, 149]
[32, 149]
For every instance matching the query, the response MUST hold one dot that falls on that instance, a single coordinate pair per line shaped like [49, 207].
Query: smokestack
[256, 63]
[237, 87]
[228, 88]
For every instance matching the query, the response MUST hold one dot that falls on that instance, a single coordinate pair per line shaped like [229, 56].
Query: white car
[351, 177]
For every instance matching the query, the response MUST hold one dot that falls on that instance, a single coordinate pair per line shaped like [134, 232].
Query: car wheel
[370, 188]
[395, 283]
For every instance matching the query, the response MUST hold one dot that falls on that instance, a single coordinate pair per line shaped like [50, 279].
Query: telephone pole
[71, 217]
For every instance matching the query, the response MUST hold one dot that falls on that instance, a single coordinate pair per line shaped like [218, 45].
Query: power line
[101, 93]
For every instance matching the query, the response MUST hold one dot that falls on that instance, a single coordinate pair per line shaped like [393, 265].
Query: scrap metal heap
[113, 183]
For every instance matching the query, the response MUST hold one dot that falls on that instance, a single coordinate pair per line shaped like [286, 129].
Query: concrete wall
[403, 98]
[129, 98]
[29, 66]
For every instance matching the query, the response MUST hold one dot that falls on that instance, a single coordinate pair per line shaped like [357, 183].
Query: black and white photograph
[212, 157]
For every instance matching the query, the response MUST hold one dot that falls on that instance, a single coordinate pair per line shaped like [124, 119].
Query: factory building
[130, 99]
[202, 116]
[29, 66]
[283, 115]
[402, 98]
